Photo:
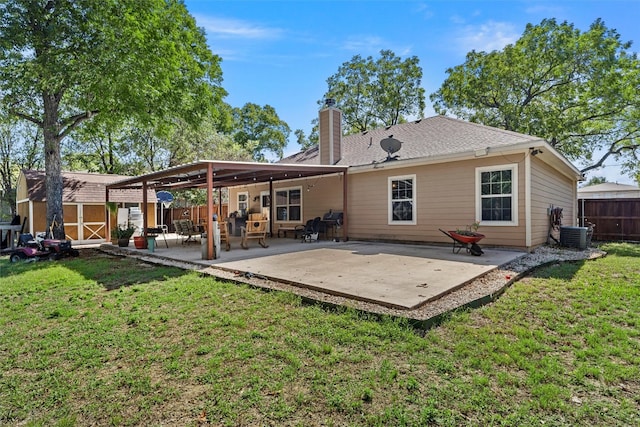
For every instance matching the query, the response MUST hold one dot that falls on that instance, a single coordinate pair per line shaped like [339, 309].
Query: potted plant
[122, 234]
[470, 230]
[140, 242]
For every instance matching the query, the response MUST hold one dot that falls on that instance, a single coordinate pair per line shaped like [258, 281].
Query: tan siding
[253, 190]
[23, 211]
[319, 195]
[39, 217]
[151, 215]
[548, 189]
[445, 199]
[93, 213]
[70, 213]
[21, 188]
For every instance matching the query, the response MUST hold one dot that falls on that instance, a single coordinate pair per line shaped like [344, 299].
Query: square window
[289, 204]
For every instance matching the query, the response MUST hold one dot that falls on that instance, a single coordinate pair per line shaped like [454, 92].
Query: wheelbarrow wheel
[17, 257]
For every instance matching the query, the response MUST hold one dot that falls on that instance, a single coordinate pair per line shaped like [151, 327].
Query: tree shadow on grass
[109, 271]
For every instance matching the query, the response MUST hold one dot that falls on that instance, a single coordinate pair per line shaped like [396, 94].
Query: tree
[595, 180]
[303, 141]
[137, 148]
[63, 62]
[578, 90]
[98, 147]
[374, 93]
[19, 143]
[260, 129]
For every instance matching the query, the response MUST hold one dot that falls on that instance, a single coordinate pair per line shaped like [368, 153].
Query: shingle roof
[429, 137]
[80, 187]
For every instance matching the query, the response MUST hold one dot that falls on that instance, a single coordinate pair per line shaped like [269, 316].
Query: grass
[111, 341]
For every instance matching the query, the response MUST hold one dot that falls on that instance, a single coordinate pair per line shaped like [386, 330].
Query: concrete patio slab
[394, 275]
[400, 276]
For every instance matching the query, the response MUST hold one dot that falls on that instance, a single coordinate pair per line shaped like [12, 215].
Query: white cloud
[364, 44]
[545, 10]
[425, 10]
[372, 45]
[486, 37]
[235, 28]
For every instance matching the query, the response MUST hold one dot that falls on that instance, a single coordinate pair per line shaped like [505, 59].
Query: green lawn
[101, 340]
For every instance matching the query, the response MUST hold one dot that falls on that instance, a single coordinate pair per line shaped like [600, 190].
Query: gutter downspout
[527, 201]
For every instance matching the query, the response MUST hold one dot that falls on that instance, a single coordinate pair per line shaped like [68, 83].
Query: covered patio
[214, 175]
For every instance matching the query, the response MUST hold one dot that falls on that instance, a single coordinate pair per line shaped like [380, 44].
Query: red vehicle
[41, 248]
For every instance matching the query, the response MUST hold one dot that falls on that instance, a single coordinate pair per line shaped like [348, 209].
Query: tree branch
[73, 121]
[26, 117]
[609, 153]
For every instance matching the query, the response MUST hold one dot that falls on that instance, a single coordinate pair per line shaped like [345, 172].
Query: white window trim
[390, 180]
[514, 195]
[274, 203]
[240, 193]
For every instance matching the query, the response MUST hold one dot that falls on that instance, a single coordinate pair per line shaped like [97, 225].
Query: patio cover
[212, 174]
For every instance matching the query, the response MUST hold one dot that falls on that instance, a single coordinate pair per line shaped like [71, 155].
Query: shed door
[93, 222]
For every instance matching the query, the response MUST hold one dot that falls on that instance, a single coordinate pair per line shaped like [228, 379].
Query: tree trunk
[53, 166]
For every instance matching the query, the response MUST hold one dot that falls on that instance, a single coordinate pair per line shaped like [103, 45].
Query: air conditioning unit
[574, 237]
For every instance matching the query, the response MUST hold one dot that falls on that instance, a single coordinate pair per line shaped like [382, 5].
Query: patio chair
[311, 230]
[185, 228]
[255, 228]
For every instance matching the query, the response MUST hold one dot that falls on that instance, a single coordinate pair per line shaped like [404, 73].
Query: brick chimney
[330, 132]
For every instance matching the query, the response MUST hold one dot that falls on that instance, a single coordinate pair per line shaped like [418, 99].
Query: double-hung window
[289, 204]
[497, 195]
[402, 200]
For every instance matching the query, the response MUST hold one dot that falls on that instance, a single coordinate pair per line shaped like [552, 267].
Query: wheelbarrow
[465, 241]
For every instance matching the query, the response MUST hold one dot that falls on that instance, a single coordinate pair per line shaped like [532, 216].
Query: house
[84, 203]
[407, 181]
[613, 208]
[402, 183]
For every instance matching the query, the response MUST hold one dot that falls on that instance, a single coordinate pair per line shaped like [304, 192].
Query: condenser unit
[573, 237]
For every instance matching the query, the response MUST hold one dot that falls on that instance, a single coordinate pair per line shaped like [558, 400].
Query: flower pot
[140, 242]
[123, 243]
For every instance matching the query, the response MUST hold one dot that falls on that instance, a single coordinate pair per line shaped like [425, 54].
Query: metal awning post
[210, 225]
[145, 210]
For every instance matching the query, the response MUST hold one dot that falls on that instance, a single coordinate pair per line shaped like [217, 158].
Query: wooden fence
[615, 219]
[197, 214]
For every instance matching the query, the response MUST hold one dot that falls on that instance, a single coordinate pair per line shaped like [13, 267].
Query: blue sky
[282, 52]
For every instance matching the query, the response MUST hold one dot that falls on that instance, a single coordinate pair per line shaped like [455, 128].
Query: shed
[84, 203]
